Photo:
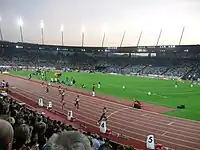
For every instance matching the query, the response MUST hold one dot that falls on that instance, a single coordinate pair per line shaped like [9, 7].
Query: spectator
[11, 120]
[6, 136]
[22, 136]
[40, 129]
[120, 147]
[105, 147]
[68, 140]
[129, 148]
[95, 143]
[101, 141]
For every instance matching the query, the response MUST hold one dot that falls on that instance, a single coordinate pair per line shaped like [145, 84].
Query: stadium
[56, 96]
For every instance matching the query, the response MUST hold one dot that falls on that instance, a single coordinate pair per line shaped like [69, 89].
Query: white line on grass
[139, 91]
[184, 93]
[158, 95]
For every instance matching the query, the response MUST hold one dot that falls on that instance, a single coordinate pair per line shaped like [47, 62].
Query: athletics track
[135, 125]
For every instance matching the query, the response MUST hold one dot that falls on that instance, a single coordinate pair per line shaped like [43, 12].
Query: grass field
[163, 92]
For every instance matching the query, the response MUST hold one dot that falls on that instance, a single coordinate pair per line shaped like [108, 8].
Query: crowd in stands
[179, 67]
[25, 129]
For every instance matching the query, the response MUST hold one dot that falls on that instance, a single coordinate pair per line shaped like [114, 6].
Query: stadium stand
[34, 55]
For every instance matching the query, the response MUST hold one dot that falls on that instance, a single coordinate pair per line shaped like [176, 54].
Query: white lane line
[118, 111]
[164, 133]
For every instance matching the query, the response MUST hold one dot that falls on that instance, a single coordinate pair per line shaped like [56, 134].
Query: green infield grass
[163, 92]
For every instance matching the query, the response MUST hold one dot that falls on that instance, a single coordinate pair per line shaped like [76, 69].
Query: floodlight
[62, 28]
[42, 24]
[20, 22]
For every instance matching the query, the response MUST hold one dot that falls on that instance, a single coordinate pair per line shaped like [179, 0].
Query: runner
[63, 95]
[59, 90]
[103, 116]
[47, 89]
[77, 102]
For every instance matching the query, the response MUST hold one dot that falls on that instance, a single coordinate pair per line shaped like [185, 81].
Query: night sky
[96, 15]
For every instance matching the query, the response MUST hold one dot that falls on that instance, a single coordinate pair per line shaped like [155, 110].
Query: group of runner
[62, 93]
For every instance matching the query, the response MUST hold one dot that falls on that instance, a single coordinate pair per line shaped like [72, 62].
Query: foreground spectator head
[11, 120]
[40, 127]
[70, 140]
[6, 135]
[129, 148]
[22, 136]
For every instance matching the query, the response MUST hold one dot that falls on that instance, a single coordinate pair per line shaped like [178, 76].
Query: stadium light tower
[1, 34]
[104, 35]
[159, 37]
[42, 31]
[21, 23]
[122, 38]
[139, 38]
[181, 36]
[83, 35]
[62, 34]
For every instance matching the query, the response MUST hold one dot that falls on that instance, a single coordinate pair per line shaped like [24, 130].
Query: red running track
[175, 133]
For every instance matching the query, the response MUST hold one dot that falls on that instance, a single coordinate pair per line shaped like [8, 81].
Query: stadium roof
[133, 49]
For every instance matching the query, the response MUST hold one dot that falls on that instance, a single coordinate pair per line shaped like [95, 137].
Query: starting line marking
[118, 111]
[164, 133]
[170, 123]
